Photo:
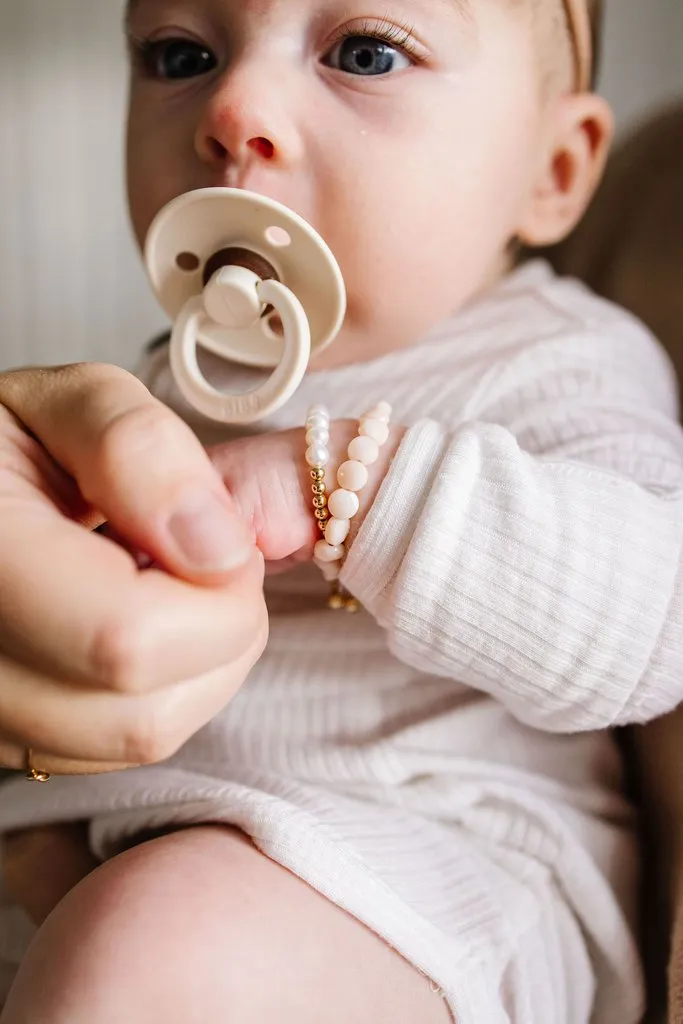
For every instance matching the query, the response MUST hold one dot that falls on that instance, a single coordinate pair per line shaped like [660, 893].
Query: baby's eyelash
[138, 49]
[396, 34]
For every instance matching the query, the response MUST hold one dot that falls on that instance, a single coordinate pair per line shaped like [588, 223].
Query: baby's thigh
[199, 926]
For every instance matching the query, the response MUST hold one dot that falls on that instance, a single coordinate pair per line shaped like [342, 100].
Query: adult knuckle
[119, 655]
[144, 429]
[151, 737]
[261, 632]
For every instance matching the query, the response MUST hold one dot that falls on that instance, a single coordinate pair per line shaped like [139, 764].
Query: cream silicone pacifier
[250, 281]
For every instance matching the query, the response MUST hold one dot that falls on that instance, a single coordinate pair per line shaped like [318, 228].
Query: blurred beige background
[71, 285]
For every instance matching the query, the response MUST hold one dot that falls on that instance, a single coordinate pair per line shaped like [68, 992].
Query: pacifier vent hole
[276, 326]
[278, 237]
[188, 262]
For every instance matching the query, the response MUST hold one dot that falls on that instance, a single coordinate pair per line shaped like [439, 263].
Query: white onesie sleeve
[534, 550]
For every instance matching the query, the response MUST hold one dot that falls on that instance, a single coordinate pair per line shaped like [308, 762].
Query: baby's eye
[366, 55]
[174, 59]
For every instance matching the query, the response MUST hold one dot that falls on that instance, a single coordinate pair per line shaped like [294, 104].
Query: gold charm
[33, 774]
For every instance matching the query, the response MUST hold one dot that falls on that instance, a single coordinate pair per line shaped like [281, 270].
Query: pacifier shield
[192, 232]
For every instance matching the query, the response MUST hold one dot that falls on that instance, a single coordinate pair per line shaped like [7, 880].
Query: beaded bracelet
[318, 458]
[334, 514]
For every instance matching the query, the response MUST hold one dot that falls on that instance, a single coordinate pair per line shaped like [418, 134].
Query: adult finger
[74, 605]
[135, 461]
[80, 725]
[15, 758]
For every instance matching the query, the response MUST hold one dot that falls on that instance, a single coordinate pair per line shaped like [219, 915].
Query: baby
[412, 814]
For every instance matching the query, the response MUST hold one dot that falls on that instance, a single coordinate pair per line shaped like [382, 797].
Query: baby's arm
[535, 552]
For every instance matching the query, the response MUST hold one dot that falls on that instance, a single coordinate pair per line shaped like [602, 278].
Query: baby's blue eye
[175, 59]
[366, 55]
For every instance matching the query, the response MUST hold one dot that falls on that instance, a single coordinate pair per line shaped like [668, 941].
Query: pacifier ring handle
[274, 392]
[225, 265]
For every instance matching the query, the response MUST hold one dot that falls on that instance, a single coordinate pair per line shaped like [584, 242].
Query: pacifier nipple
[251, 282]
[231, 298]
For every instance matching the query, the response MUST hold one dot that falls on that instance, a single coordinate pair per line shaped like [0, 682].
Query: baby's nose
[248, 119]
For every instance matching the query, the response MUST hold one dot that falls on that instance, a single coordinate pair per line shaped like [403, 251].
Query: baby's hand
[269, 480]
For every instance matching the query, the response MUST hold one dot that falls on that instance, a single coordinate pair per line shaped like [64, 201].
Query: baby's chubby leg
[199, 926]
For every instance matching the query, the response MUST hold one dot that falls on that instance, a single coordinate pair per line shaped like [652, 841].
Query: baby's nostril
[264, 147]
[218, 150]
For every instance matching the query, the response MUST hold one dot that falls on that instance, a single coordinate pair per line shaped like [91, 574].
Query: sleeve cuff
[380, 547]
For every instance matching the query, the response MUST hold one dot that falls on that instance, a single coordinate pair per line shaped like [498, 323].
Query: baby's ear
[580, 132]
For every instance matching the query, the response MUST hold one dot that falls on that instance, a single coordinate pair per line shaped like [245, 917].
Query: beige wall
[71, 287]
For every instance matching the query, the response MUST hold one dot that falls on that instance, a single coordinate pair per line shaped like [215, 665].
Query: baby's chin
[391, 319]
[353, 346]
[378, 333]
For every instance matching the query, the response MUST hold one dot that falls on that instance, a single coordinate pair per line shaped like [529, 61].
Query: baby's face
[407, 132]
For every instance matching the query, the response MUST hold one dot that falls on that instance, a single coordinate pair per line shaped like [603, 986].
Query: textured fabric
[432, 765]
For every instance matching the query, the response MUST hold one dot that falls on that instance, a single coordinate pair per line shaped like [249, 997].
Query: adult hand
[102, 665]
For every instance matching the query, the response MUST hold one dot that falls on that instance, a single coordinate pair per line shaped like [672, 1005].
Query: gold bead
[322, 514]
[352, 606]
[336, 602]
[320, 501]
[319, 488]
[317, 475]
[322, 526]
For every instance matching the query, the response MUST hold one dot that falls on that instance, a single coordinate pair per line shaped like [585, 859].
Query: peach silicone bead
[352, 476]
[365, 450]
[337, 531]
[331, 571]
[381, 411]
[324, 552]
[343, 504]
[375, 429]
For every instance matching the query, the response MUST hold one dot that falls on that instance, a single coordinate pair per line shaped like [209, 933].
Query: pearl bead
[317, 455]
[318, 420]
[317, 435]
[382, 411]
[325, 552]
[375, 429]
[352, 476]
[365, 450]
[343, 504]
[337, 531]
[318, 409]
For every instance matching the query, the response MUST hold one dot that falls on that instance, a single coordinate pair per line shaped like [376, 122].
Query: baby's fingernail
[208, 536]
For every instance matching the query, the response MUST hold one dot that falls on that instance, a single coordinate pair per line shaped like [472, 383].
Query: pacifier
[251, 282]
